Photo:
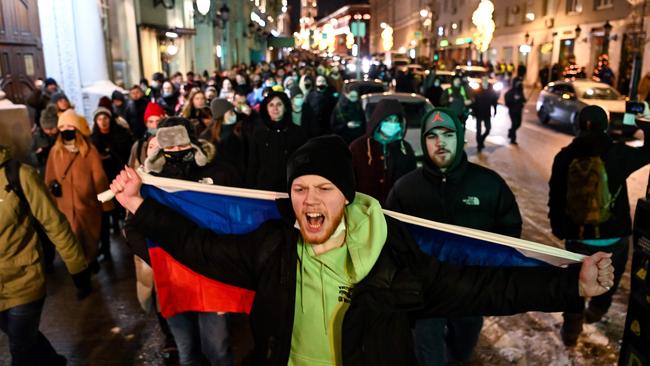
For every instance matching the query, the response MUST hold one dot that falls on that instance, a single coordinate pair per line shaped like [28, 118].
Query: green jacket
[21, 270]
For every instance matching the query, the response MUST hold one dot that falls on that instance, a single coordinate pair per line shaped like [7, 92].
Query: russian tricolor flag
[227, 210]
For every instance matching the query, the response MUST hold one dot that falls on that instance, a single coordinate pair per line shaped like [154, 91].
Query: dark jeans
[107, 217]
[28, 346]
[515, 119]
[440, 341]
[598, 305]
[201, 335]
[481, 136]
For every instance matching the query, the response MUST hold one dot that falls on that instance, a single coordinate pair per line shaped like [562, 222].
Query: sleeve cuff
[575, 302]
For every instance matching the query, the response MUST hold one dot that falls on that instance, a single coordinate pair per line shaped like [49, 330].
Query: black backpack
[12, 172]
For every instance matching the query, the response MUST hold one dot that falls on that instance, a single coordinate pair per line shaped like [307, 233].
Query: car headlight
[498, 86]
[365, 65]
[474, 85]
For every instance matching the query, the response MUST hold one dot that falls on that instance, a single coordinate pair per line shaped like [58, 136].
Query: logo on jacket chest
[345, 294]
[471, 201]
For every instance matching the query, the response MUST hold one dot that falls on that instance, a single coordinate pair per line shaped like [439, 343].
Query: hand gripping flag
[227, 210]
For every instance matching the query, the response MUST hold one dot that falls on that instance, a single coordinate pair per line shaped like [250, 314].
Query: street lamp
[222, 18]
[202, 6]
[607, 28]
[224, 12]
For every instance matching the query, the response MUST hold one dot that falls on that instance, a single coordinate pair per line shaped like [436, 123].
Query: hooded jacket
[484, 101]
[377, 166]
[620, 162]
[402, 284]
[270, 147]
[515, 99]
[466, 194]
[344, 112]
[169, 102]
[322, 103]
[114, 147]
[22, 279]
[135, 116]
[454, 98]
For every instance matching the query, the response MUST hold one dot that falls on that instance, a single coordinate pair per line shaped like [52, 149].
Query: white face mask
[353, 97]
[230, 120]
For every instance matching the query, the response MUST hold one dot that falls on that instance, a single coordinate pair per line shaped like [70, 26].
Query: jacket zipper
[443, 189]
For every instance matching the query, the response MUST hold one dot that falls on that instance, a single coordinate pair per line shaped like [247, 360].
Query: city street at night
[109, 328]
[324, 183]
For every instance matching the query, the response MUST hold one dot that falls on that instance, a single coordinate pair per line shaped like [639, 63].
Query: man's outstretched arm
[455, 290]
[232, 259]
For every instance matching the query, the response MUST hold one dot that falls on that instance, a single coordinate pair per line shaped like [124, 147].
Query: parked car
[365, 86]
[415, 106]
[562, 101]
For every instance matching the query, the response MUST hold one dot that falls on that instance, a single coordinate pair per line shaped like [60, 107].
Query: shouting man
[336, 281]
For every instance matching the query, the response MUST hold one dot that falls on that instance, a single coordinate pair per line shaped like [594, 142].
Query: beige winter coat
[85, 179]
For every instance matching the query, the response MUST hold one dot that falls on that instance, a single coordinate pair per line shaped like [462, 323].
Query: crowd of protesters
[240, 128]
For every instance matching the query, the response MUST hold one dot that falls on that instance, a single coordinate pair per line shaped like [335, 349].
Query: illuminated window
[549, 7]
[602, 4]
[510, 16]
[574, 6]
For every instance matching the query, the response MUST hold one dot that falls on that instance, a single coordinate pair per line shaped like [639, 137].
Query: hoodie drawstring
[323, 293]
[302, 278]
[369, 151]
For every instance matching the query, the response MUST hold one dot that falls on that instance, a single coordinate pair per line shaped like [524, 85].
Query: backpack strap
[12, 171]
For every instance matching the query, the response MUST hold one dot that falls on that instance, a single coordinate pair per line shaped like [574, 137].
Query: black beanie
[327, 156]
[594, 114]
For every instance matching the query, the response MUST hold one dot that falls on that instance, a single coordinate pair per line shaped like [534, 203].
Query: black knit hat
[594, 114]
[327, 156]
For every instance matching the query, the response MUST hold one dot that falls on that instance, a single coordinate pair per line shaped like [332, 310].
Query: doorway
[21, 51]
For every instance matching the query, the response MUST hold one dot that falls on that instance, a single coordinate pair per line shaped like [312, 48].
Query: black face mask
[321, 87]
[69, 135]
[176, 157]
[179, 164]
[307, 85]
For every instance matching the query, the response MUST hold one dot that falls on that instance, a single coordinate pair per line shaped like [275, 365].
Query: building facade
[336, 29]
[539, 34]
[536, 33]
[93, 47]
[411, 23]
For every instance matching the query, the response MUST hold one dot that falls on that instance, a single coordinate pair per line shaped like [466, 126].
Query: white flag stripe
[551, 255]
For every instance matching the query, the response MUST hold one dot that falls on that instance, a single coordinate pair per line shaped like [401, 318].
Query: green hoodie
[324, 283]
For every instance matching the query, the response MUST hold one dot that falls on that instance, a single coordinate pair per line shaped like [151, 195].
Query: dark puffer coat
[271, 146]
[376, 166]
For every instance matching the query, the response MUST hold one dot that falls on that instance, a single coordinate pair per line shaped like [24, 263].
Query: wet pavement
[109, 328]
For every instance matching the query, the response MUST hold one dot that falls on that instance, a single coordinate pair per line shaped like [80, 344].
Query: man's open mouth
[315, 220]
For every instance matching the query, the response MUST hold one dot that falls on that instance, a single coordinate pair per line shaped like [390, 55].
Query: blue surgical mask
[390, 129]
[298, 102]
[152, 131]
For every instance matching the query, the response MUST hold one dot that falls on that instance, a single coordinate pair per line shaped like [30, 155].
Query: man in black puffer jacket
[449, 189]
[611, 236]
[336, 281]
[274, 139]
